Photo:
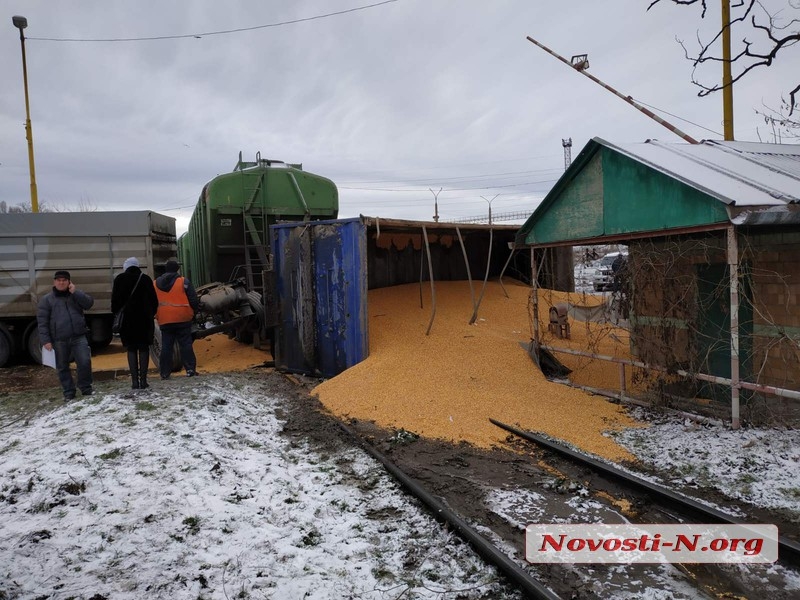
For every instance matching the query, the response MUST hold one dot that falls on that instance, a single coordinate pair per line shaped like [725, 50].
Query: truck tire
[6, 349]
[31, 341]
[155, 351]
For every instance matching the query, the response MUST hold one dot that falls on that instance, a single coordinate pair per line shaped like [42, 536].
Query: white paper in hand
[48, 357]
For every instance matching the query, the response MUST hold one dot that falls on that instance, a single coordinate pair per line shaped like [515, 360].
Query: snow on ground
[194, 493]
[758, 466]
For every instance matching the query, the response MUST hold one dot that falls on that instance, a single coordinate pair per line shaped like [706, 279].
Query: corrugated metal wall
[321, 288]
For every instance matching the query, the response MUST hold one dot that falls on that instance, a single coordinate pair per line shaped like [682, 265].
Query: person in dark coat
[62, 328]
[133, 291]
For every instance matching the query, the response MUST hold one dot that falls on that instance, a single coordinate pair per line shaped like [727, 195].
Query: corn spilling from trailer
[447, 384]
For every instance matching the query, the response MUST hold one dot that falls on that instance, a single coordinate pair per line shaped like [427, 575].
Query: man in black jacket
[62, 328]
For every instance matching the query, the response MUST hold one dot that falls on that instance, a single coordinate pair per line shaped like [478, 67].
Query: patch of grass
[145, 406]
[792, 492]
[73, 488]
[192, 525]
[9, 446]
[40, 507]
[113, 454]
[128, 419]
[311, 538]
[341, 505]
[381, 572]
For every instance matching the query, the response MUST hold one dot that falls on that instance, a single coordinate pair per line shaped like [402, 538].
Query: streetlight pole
[435, 204]
[490, 206]
[21, 23]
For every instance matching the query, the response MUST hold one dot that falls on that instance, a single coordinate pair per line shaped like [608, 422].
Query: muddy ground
[461, 476]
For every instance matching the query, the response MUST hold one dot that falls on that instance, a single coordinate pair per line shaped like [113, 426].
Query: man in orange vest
[177, 303]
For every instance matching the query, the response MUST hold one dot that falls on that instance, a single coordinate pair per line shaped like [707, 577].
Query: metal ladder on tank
[256, 236]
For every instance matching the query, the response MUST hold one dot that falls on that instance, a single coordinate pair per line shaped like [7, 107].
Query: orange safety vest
[173, 306]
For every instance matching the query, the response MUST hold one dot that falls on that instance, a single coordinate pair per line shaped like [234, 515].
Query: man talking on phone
[62, 328]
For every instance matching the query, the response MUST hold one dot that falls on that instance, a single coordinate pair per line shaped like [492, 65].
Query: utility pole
[567, 143]
[727, 84]
[435, 204]
[21, 23]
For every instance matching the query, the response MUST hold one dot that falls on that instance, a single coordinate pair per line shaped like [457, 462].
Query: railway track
[454, 490]
[519, 577]
[788, 550]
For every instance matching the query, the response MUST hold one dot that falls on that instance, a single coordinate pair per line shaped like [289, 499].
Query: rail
[488, 551]
[788, 549]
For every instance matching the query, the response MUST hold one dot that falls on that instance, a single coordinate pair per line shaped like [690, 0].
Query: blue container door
[294, 288]
[321, 288]
[341, 295]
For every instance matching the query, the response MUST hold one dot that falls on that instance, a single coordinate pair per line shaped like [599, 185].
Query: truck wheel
[155, 351]
[31, 341]
[5, 345]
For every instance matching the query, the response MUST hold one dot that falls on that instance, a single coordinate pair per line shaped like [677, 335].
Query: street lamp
[435, 204]
[490, 206]
[21, 23]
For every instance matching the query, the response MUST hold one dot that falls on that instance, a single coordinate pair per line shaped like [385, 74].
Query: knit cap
[130, 262]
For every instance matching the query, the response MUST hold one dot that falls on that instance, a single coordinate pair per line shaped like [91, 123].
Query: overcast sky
[388, 101]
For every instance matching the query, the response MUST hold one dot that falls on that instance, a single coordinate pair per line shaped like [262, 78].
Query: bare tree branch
[769, 37]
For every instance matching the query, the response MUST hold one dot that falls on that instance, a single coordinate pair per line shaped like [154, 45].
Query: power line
[677, 117]
[464, 178]
[491, 187]
[210, 33]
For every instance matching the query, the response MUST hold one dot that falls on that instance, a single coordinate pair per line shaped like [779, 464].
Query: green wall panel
[606, 193]
[638, 198]
[577, 212]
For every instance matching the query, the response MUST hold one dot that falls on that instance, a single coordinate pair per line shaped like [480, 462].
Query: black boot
[133, 365]
[144, 363]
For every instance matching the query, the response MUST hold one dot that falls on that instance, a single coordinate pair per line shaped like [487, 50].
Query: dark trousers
[182, 333]
[76, 348]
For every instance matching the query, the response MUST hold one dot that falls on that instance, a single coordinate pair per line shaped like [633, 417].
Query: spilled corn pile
[601, 338]
[448, 384]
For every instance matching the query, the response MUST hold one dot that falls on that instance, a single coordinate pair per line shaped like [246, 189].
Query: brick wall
[665, 308]
[775, 277]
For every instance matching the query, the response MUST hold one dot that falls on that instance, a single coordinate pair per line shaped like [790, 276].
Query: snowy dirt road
[240, 486]
[194, 490]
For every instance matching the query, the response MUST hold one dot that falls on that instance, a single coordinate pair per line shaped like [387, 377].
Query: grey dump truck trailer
[90, 245]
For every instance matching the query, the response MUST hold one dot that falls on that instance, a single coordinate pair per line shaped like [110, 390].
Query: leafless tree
[780, 122]
[84, 205]
[21, 207]
[767, 35]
